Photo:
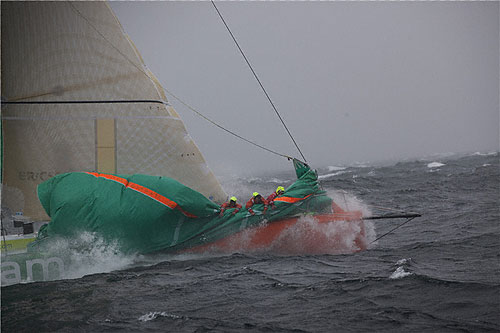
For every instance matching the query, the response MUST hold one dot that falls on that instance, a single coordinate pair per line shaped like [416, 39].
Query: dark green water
[439, 272]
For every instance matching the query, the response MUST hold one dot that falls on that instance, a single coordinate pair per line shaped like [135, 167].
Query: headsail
[146, 214]
[77, 51]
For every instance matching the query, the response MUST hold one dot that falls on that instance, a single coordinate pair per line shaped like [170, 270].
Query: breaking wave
[350, 202]
[306, 236]
[435, 165]
[330, 175]
[490, 153]
[335, 168]
[90, 254]
[153, 315]
[400, 271]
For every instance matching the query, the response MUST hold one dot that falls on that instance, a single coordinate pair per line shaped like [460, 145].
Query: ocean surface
[436, 273]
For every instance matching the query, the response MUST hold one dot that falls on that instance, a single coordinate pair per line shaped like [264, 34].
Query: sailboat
[91, 144]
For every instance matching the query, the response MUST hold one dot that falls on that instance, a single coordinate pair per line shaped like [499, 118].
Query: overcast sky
[354, 81]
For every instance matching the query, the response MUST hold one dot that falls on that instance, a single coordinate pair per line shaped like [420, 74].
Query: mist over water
[353, 81]
[439, 272]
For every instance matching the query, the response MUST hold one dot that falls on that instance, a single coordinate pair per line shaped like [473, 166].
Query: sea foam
[153, 315]
[335, 168]
[330, 175]
[399, 273]
[90, 254]
[435, 165]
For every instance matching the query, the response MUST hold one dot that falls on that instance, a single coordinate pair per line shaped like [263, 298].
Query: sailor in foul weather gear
[270, 199]
[256, 199]
[231, 204]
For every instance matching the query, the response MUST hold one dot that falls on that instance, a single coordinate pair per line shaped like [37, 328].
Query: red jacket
[254, 201]
[271, 197]
[227, 205]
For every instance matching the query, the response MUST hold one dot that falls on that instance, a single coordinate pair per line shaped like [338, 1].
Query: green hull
[30, 267]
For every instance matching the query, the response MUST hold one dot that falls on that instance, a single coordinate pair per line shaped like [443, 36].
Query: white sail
[78, 51]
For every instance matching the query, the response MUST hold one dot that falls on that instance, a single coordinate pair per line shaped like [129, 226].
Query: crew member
[231, 204]
[270, 199]
[256, 199]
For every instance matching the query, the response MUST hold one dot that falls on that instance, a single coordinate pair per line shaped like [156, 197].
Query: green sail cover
[147, 214]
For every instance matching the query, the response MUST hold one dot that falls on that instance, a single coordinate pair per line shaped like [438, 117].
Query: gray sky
[354, 81]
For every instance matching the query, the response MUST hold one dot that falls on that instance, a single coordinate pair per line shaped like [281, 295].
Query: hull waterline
[307, 234]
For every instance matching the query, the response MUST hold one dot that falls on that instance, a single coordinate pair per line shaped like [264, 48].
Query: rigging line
[225, 129]
[257, 78]
[3, 235]
[177, 98]
[104, 37]
[387, 233]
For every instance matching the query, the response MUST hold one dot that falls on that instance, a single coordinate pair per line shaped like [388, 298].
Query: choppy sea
[436, 273]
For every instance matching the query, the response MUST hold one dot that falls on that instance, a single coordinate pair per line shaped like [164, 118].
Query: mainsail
[118, 121]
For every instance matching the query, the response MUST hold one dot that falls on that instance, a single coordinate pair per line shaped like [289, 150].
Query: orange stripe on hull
[289, 236]
[144, 190]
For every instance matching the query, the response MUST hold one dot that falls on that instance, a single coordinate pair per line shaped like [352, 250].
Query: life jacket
[230, 204]
[254, 201]
[227, 205]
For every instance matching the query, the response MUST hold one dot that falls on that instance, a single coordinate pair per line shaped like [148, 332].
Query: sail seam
[89, 117]
[124, 101]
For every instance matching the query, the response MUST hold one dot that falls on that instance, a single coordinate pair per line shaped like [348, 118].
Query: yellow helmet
[280, 188]
[255, 194]
[233, 199]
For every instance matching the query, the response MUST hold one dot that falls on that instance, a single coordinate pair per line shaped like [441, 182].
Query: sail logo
[6, 246]
[36, 175]
[34, 270]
